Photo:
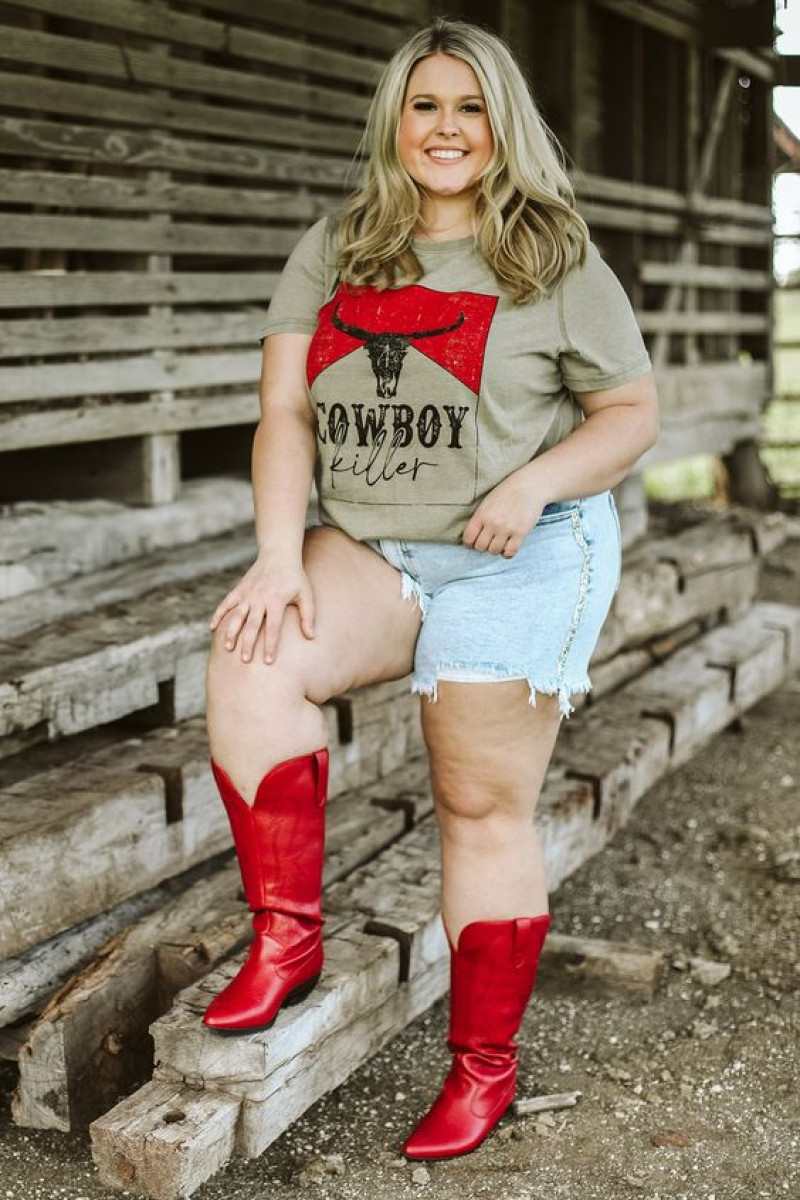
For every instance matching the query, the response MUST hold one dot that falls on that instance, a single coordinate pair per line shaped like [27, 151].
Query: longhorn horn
[365, 334]
[435, 332]
[362, 334]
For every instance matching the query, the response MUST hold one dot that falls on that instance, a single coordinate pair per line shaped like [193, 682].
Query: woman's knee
[242, 689]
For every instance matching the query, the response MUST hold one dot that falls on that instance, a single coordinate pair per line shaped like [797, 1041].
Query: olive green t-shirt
[427, 396]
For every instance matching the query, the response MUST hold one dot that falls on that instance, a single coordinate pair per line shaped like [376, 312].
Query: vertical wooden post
[159, 465]
[694, 105]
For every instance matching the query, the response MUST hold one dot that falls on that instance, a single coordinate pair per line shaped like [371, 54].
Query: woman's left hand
[505, 516]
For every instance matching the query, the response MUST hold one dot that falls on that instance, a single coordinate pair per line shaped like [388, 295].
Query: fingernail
[269, 658]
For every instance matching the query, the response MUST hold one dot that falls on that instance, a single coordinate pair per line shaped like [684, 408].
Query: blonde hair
[527, 226]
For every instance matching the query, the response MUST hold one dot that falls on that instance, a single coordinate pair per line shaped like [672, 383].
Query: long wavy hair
[527, 226]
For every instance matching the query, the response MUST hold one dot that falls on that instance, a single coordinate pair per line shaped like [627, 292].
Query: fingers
[225, 605]
[248, 616]
[305, 606]
[234, 626]
[274, 626]
[250, 629]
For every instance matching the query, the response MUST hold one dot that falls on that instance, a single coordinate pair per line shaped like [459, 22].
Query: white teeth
[446, 153]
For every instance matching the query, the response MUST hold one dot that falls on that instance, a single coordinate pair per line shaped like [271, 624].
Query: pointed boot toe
[464, 1113]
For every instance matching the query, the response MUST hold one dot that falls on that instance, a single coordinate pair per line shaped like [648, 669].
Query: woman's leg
[489, 750]
[259, 715]
[269, 758]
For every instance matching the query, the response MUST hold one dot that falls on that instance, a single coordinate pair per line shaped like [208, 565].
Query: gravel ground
[692, 1096]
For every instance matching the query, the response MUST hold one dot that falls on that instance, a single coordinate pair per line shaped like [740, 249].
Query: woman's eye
[422, 105]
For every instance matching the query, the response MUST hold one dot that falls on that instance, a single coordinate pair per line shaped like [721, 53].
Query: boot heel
[301, 992]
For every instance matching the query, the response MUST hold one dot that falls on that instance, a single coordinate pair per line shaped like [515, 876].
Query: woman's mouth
[447, 156]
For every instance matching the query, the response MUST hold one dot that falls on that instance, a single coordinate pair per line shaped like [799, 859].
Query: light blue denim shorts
[536, 616]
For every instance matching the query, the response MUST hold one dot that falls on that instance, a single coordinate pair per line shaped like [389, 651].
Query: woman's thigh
[365, 632]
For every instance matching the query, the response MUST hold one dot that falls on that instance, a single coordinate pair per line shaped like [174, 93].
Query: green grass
[686, 479]
[786, 314]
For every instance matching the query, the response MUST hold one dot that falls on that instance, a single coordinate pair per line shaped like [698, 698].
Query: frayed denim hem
[549, 687]
[413, 590]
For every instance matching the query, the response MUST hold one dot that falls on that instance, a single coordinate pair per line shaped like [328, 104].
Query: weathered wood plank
[91, 335]
[200, 32]
[129, 374]
[166, 1140]
[116, 234]
[42, 544]
[81, 99]
[110, 289]
[97, 1024]
[175, 566]
[80, 672]
[137, 974]
[103, 60]
[360, 971]
[23, 426]
[106, 830]
[102, 829]
[87, 143]
[601, 967]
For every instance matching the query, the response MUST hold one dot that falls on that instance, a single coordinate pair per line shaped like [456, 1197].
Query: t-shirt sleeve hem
[594, 383]
[288, 325]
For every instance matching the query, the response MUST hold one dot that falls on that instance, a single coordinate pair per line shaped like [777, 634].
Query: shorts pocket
[557, 510]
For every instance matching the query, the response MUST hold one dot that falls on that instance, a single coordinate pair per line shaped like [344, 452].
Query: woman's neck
[443, 226]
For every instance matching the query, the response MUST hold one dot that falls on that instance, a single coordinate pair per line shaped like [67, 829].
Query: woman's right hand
[262, 596]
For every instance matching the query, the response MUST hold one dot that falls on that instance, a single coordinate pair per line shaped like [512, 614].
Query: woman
[430, 355]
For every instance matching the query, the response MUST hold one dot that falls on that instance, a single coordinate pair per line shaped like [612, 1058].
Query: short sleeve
[602, 343]
[300, 291]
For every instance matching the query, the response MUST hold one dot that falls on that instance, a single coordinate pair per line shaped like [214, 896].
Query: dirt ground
[693, 1096]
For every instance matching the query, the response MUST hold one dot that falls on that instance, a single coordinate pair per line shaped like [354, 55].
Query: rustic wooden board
[44, 543]
[565, 820]
[103, 828]
[600, 967]
[619, 752]
[166, 1140]
[379, 728]
[360, 971]
[175, 566]
[30, 979]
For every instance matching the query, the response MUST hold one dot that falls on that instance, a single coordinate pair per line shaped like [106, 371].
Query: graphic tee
[428, 395]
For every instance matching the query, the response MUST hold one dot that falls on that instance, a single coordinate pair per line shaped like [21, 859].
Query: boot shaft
[280, 840]
[492, 976]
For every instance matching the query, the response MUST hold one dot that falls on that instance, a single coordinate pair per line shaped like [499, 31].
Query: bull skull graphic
[387, 350]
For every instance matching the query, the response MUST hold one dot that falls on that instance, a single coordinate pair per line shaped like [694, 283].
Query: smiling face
[444, 140]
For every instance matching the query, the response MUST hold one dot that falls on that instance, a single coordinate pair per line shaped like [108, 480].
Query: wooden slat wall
[156, 167]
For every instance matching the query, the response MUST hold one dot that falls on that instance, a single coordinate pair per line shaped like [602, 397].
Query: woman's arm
[621, 424]
[284, 447]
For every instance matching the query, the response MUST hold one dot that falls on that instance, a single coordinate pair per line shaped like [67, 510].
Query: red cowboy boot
[492, 974]
[280, 844]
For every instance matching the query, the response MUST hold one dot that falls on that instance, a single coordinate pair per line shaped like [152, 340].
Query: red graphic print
[450, 328]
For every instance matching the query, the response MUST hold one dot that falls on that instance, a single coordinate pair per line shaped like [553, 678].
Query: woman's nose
[448, 124]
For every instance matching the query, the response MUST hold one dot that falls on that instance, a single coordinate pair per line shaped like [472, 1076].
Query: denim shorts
[536, 616]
